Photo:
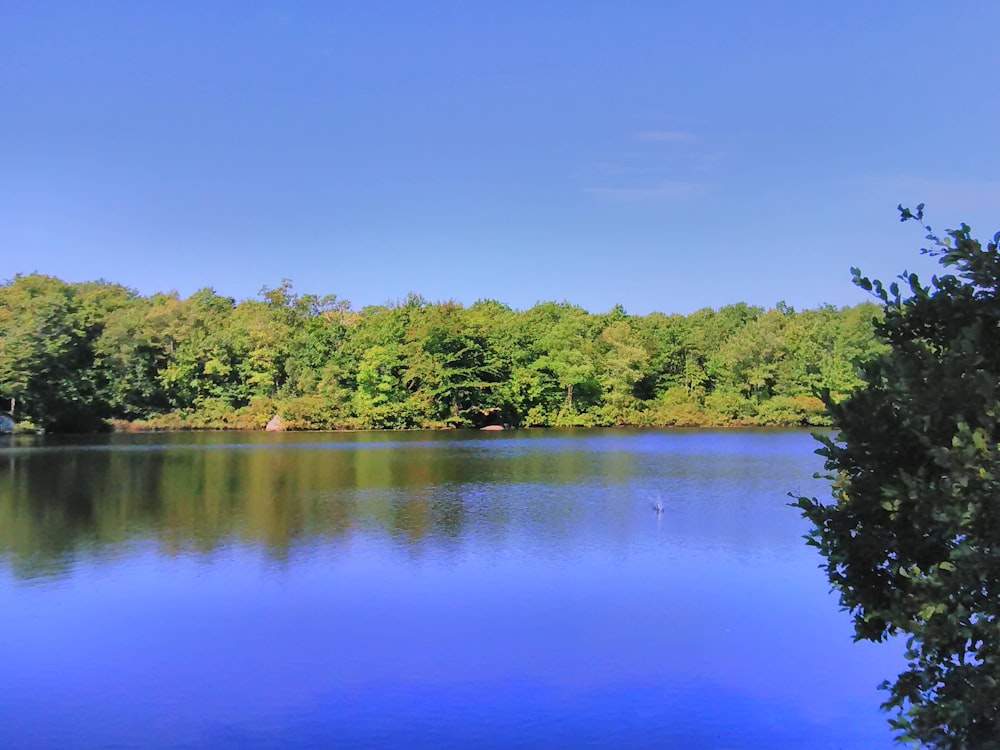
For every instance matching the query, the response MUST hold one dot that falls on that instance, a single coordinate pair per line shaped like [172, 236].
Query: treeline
[78, 356]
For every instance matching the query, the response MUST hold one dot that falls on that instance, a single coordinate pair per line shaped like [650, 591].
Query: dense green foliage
[912, 540]
[76, 354]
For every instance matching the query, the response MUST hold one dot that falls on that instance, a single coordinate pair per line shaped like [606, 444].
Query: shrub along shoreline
[802, 411]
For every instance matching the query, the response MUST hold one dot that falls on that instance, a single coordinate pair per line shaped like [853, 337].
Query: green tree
[75, 355]
[381, 400]
[707, 332]
[132, 352]
[622, 360]
[447, 370]
[566, 372]
[749, 360]
[912, 537]
[664, 339]
[316, 392]
[506, 349]
[203, 360]
[48, 329]
[376, 357]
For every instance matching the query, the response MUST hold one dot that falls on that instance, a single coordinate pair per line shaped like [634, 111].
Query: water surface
[423, 590]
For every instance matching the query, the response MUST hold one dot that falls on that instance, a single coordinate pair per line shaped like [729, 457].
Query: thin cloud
[665, 190]
[664, 136]
[643, 165]
[626, 170]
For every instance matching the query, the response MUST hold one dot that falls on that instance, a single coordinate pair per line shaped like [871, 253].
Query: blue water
[511, 590]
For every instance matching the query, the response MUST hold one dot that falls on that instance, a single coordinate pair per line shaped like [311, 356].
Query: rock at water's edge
[492, 427]
[275, 425]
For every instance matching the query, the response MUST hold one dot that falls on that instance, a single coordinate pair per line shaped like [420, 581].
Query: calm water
[508, 590]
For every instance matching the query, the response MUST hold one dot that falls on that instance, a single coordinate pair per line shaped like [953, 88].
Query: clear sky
[662, 155]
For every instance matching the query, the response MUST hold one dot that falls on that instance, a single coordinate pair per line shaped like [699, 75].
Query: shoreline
[735, 425]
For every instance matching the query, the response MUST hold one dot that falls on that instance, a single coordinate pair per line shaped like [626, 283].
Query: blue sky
[662, 155]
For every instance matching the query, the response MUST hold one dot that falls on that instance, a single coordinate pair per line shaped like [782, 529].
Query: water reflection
[197, 492]
[422, 590]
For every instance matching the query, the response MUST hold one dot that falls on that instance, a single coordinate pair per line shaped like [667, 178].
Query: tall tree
[567, 357]
[48, 329]
[132, 352]
[203, 361]
[912, 537]
[447, 367]
[622, 360]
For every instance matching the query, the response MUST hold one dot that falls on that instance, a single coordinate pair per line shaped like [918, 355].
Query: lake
[423, 590]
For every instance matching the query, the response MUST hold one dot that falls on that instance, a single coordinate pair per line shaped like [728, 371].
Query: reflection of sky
[557, 614]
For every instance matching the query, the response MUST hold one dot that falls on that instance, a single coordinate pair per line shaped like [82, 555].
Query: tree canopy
[75, 355]
[912, 536]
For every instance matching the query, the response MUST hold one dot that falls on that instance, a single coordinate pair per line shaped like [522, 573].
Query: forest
[79, 357]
